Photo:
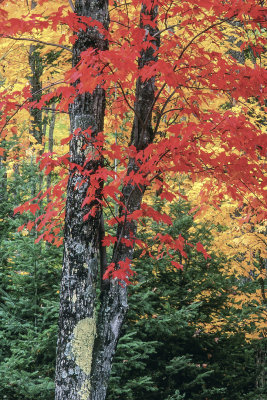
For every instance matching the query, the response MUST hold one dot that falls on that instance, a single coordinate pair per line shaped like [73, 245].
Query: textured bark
[36, 125]
[77, 319]
[51, 140]
[36, 91]
[261, 364]
[114, 294]
[87, 339]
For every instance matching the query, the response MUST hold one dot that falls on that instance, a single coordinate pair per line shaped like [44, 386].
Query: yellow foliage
[242, 243]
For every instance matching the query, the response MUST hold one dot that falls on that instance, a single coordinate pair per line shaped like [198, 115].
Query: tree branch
[162, 110]
[201, 33]
[25, 101]
[71, 5]
[102, 249]
[37, 41]
[128, 104]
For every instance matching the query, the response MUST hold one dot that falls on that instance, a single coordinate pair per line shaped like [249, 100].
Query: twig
[37, 41]
[162, 110]
[25, 101]
[54, 111]
[201, 33]
[72, 5]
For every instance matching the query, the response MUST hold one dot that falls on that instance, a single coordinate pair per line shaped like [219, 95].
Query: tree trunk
[51, 141]
[88, 338]
[36, 124]
[114, 293]
[35, 62]
[77, 318]
[36, 91]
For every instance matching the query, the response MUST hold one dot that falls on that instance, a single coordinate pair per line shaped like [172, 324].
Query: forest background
[195, 328]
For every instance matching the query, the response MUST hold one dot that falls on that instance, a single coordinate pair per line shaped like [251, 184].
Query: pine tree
[29, 287]
[164, 353]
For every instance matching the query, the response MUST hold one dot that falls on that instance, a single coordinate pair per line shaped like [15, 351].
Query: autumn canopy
[164, 98]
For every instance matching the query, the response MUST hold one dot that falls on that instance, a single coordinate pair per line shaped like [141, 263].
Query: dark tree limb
[114, 293]
[37, 41]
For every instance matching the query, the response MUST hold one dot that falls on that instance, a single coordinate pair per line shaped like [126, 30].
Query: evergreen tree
[29, 287]
[164, 354]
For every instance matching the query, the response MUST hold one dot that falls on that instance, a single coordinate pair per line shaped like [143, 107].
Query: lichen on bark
[84, 393]
[82, 343]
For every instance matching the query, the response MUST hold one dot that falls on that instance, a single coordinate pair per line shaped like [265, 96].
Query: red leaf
[167, 195]
[66, 140]
[30, 225]
[33, 208]
[122, 273]
[109, 270]
[155, 215]
[108, 240]
[21, 227]
[127, 242]
[19, 209]
[39, 238]
[201, 249]
[177, 265]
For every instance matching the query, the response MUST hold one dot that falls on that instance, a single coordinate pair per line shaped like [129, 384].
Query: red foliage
[189, 78]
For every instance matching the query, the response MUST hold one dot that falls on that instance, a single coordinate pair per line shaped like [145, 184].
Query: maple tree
[146, 97]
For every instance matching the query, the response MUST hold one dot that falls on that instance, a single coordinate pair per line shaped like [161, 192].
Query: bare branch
[165, 29]
[54, 111]
[71, 5]
[201, 33]
[162, 110]
[37, 41]
[129, 105]
[25, 101]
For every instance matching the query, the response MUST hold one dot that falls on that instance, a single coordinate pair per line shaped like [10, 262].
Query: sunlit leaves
[206, 117]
